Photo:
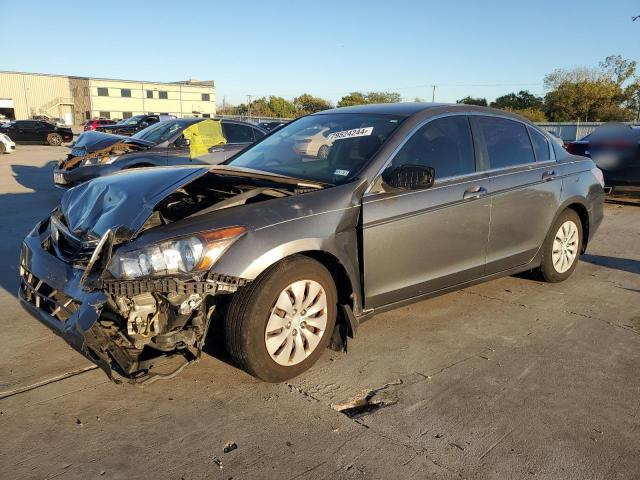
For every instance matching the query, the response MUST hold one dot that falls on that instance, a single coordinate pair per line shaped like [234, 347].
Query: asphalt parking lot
[510, 379]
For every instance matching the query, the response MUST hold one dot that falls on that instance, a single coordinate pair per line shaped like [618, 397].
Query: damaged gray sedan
[290, 252]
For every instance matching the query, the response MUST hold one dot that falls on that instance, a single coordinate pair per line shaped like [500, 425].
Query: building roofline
[192, 82]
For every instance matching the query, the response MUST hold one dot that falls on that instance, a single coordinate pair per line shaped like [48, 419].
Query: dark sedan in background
[134, 124]
[616, 150]
[412, 200]
[36, 131]
[96, 154]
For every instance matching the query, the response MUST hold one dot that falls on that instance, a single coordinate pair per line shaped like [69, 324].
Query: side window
[149, 93]
[257, 134]
[540, 145]
[125, 92]
[162, 94]
[45, 126]
[151, 120]
[507, 142]
[236, 133]
[444, 144]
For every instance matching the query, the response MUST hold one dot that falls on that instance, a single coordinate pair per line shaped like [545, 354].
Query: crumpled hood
[92, 141]
[124, 200]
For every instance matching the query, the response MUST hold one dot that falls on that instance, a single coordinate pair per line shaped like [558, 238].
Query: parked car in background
[615, 148]
[36, 131]
[313, 143]
[413, 200]
[134, 124]
[92, 125]
[4, 119]
[271, 125]
[6, 144]
[96, 154]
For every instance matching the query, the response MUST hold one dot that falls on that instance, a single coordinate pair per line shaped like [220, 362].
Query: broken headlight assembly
[105, 160]
[181, 255]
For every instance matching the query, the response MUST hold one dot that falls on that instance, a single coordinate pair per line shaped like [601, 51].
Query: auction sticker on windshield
[355, 132]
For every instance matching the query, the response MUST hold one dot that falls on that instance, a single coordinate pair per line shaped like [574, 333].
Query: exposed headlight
[183, 255]
[100, 160]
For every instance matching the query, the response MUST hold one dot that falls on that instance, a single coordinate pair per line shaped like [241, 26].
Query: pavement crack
[606, 322]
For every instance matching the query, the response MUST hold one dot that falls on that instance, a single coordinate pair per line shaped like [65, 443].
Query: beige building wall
[168, 98]
[79, 98]
[36, 94]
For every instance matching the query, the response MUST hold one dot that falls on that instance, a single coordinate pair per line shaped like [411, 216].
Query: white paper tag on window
[342, 173]
[355, 132]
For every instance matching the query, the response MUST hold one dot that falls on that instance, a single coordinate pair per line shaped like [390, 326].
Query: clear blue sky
[327, 48]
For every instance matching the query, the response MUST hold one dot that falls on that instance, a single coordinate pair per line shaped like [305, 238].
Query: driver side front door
[421, 241]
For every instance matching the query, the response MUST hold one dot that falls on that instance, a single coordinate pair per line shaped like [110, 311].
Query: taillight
[569, 147]
[599, 176]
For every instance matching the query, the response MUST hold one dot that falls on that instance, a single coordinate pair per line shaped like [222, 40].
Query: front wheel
[562, 248]
[54, 140]
[279, 324]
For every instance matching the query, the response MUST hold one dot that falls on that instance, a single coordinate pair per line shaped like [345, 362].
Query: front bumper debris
[52, 290]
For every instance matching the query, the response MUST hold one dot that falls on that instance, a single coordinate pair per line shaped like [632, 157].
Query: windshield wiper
[250, 172]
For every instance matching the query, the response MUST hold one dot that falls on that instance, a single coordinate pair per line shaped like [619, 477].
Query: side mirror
[144, 124]
[182, 142]
[409, 177]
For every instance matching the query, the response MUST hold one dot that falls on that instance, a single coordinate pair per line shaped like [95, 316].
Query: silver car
[289, 254]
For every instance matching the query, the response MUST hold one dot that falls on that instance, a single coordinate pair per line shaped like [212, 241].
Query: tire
[323, 152]
[254, 313]
[562, 247]
[54, 139]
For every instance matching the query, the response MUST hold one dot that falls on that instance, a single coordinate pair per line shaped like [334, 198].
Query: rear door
[525, 189]
[239, 137]
[420, 241]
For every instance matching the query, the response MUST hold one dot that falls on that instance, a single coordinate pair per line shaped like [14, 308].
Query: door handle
[216, 150]
[548, 175]
[474, 193]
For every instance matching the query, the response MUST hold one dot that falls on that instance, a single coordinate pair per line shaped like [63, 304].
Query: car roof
[404, 109]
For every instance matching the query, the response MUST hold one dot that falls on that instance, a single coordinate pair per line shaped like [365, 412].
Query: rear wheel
[54, 139]
[562, 247]
[279, 324]
[323, 152]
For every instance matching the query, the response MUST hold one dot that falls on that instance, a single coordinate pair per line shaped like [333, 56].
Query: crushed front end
[124, 326]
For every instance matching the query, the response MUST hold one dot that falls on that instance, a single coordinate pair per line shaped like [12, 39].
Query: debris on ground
[78, 422]
[218, 462]
[230, 447]
[368, 401]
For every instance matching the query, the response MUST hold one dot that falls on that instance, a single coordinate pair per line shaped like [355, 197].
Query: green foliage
[359, 98]
[523, 100]
[592, 95]
[306, 104]
[532, 114]
[481, 102]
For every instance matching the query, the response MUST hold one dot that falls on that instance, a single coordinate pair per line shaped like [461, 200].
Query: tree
[306, 104]
[532, 114]
[359, 98]
[281, 107]
[603, 94]
[354, 98]
[482, 102]
[518, 101]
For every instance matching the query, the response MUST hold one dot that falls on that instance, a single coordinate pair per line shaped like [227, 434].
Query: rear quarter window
[540, 145]
[507, 142]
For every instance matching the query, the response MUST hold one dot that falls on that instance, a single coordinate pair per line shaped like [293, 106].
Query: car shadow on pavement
[21, 208]
[625, 264]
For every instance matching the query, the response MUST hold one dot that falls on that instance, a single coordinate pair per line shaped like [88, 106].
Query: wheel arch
[579, 206]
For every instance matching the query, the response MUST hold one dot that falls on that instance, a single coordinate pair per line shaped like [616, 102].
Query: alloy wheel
[565, 246]
[297, 322]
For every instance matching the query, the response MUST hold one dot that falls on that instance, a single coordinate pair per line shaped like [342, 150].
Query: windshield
[131, 120]
[160, 132]
[328, 148]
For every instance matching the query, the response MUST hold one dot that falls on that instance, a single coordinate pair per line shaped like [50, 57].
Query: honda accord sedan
[291, 253]
[171, 142]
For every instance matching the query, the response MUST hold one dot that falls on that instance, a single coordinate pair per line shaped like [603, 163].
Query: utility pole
[249, 106]
[433, 94]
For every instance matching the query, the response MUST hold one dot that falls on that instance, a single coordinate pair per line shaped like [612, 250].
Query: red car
[91, 125]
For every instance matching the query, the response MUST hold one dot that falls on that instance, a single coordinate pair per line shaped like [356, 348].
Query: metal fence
[570, 131]
[254, 119]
